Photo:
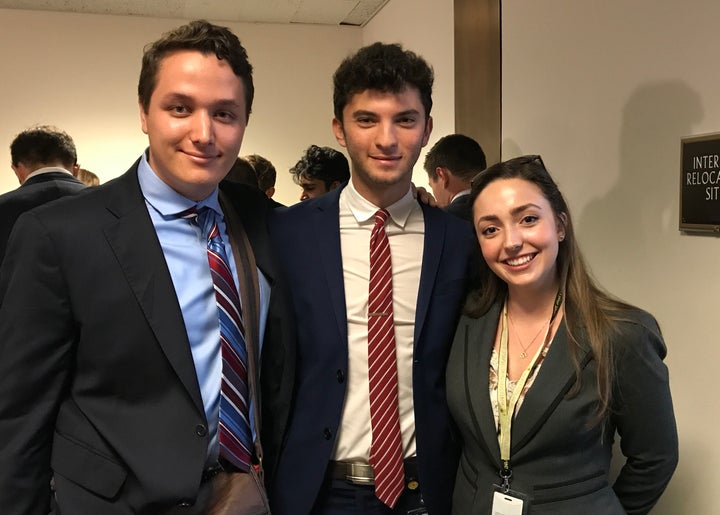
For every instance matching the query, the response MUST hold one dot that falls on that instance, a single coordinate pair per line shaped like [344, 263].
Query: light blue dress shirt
[185, 250]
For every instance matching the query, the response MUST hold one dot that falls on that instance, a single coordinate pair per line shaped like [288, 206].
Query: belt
[363, 474]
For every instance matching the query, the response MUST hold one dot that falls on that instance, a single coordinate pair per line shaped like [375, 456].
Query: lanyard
[506, 409]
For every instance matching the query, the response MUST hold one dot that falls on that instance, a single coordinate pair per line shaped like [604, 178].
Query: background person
[43, 158]
[319, 170]
[546, 368]
[451, 164]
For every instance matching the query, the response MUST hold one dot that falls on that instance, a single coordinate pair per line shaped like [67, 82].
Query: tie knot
[381, 216]
[190, 213]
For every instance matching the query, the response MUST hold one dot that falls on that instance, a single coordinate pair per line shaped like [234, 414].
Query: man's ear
[333, 185]
[338, 131]
[443, 176]
[143, 117]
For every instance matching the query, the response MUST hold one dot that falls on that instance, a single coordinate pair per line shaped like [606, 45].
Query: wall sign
[700, 183]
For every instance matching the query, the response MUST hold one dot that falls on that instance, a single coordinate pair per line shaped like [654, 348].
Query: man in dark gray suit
[43, 158]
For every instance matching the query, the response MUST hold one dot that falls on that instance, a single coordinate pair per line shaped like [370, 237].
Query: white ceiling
[325, 12]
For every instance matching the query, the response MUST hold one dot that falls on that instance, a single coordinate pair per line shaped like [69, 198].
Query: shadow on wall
[621, 230]
[627, 234]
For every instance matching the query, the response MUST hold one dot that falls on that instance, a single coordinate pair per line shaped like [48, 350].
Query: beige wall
[604, 91]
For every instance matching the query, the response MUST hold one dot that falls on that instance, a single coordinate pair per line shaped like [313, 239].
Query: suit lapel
[479, 341]
[433, 245]
[326, 233]
[134, 241]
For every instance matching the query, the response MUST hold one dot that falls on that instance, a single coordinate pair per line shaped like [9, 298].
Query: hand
[423, 195]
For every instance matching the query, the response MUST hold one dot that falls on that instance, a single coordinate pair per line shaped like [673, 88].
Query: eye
[489, 231]
[407, 121]
[179, 110]
[530, 219]
[365, 121]
[225, 116]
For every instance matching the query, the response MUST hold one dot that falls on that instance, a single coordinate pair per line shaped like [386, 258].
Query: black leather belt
[363, 474]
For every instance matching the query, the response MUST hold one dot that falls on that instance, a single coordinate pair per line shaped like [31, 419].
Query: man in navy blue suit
[382, 103]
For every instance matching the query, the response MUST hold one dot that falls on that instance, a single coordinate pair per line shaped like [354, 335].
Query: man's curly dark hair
[382, 67]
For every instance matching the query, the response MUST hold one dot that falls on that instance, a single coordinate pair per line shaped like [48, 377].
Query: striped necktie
[386, 448]
[234, 433]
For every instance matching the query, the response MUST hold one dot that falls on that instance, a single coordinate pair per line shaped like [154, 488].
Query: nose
[513, 240]
[386, 137]
[304, 196]
[202, 132]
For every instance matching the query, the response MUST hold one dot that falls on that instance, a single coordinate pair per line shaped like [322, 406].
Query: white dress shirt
[406, 234]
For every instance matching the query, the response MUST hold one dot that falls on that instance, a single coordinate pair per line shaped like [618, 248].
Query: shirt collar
[460, 194]
[163, 198]
[47, 169]
[364, 210]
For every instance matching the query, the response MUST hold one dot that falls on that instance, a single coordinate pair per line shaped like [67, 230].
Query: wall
[80, 72]
[604, 91]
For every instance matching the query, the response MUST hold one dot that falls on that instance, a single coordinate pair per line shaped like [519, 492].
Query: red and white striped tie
[386, 455]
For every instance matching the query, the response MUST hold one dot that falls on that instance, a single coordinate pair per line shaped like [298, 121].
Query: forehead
[509, 193]
[308, 183]
[197, 72]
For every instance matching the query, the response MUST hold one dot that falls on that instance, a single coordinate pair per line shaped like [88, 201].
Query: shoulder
[638, 326]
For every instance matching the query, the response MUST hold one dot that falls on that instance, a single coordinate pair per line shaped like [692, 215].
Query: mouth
[387, 160]
[520, 260]
[201, 158]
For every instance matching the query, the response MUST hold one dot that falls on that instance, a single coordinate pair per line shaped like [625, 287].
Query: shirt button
[340, 376]
[327, 433]
[200, 430]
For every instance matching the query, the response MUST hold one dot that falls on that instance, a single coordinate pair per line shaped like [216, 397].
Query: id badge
[509, 502]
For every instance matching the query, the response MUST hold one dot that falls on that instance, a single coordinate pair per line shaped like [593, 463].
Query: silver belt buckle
[360, 474]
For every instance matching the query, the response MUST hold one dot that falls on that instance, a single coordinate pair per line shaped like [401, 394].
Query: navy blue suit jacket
[307, 235]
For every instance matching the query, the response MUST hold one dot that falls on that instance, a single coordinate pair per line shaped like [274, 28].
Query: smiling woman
[546, 368]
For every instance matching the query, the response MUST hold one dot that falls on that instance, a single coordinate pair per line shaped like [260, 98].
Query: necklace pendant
[523, 355]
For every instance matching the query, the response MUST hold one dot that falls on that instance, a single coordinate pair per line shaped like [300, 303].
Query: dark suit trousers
[338, 497]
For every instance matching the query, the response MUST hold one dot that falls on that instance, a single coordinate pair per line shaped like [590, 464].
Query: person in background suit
[87, 177]
[265, 173]
[546, 368]
[451, 164]
[331, 462]
[319, 170]
[43, 158]
[111, 362]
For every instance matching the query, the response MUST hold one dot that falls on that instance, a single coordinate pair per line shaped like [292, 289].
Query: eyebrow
[187, 98]
[514, 211]
[362, 112]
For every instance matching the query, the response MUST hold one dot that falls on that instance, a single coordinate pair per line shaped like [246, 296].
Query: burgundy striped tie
[386, 455]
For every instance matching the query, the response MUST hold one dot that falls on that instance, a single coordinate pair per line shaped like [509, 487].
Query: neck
[529, 305]
[382, 195]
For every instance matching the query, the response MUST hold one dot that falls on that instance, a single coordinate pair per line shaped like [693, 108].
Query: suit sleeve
[643, 414]
[36, 338]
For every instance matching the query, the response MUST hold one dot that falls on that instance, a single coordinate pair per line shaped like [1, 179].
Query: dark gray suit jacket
[34, 192]
[97, 382]
[556, 458]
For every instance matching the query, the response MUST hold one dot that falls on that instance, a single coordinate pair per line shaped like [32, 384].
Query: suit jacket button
[185, 504]
[200, 430]
[327, 433]
[340, 376]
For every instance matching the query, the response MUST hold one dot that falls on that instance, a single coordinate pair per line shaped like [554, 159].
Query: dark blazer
[461, 207]
[97, 381]
[308, 235]
[556, 458]
[34, 192]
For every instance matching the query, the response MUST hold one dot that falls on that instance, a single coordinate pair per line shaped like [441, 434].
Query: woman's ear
[561, 225]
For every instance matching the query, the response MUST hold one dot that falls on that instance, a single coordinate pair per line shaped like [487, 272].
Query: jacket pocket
[86, 467]
[571, 489]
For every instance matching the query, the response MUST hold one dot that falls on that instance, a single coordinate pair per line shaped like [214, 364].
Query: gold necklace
[525, 348]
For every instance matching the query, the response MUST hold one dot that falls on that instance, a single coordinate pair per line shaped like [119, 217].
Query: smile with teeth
[520, 260]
